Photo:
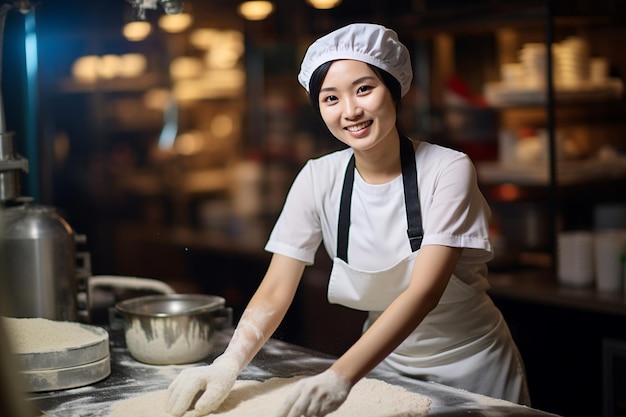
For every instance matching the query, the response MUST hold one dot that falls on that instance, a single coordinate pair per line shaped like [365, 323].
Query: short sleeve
[457, 213]
[297, 232]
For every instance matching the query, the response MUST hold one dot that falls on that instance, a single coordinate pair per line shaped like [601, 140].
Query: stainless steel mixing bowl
[172, 328]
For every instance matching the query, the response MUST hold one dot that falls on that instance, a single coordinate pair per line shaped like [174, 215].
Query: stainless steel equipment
[40, 263]
[174, 328]
[74, 364]
[169, 6]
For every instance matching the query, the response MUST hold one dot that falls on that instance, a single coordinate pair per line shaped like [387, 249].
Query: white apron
[464, 342]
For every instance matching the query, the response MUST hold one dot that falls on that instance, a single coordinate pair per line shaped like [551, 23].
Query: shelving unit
[578, 147]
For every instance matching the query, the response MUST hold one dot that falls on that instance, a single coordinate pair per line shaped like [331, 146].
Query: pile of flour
[368, 398]
[38, 335]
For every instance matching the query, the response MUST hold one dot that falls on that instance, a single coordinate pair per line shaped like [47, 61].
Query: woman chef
[407, 227]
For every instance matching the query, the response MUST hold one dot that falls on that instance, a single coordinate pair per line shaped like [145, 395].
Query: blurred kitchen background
[168, 143]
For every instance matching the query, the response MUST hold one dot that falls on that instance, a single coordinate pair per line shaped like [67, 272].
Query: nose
[352, 109]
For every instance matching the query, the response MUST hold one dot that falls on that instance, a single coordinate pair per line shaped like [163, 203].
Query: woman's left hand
[316, 396]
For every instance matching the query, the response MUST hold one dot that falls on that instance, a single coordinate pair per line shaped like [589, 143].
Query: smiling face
[356, 106]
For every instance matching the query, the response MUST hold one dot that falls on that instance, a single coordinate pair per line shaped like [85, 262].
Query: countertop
[539, 286]
[131, 378]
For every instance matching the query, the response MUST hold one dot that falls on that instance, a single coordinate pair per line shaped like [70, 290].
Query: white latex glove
[316, 396]
[216, 380]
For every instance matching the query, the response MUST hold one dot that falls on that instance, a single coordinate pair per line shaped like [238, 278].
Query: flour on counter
[368, 398]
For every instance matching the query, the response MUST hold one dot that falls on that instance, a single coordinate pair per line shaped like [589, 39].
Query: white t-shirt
[454, 213]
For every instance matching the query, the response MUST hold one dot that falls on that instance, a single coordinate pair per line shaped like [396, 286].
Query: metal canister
[39, 260]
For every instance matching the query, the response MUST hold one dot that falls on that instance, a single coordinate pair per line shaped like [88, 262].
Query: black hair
[317, 78]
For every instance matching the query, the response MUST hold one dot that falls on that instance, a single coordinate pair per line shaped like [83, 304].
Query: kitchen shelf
[568, 172]
[538, 286]
[499, 94]
[134, 84]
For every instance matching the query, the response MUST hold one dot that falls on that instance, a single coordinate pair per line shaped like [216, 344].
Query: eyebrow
[355, 82]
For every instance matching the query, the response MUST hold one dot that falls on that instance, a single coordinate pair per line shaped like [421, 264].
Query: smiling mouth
[360, 126]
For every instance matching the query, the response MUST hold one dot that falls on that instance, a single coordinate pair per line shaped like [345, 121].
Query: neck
[380, 164]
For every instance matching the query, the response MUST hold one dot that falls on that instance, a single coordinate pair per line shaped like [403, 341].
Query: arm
[260, 319]
[324, 393]
[266, 309]
[433, 267]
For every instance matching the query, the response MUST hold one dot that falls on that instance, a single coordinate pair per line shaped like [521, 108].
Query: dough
[368, 398]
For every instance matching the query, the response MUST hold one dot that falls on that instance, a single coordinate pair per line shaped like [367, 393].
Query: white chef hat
[366, 42]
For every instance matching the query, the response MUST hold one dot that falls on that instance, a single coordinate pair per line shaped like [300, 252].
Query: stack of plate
[572, 62]
[64, 368]
[533, 60]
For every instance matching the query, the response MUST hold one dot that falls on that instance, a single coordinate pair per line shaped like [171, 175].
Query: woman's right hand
[216, 380]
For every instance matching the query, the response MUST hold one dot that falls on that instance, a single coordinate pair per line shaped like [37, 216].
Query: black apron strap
[343, 225]
[411, 198]
[411, 201]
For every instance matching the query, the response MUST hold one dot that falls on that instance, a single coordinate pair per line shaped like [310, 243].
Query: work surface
[277, 359]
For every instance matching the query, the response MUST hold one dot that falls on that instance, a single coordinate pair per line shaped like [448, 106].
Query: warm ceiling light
[255, 10]
[184, 67]
[109, 66]
[324, 4]
[136, 31]
[203, 38]
[189, 143]
[85, 68]
[175, 23]
[157, 98]
[222, 126]
[133, 65]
